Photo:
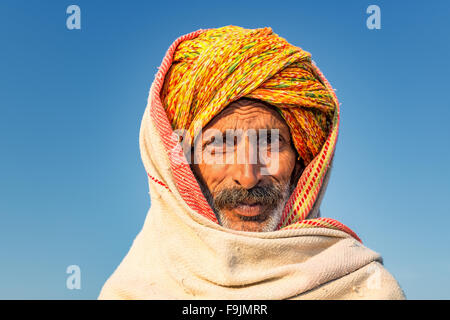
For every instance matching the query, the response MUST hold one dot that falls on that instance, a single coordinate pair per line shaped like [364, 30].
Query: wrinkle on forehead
[245, 110]
[246, 106]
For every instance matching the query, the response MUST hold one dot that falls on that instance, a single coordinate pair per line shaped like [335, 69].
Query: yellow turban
[223, 65]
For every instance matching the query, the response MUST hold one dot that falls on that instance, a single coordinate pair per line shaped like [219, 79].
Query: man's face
[246, 191]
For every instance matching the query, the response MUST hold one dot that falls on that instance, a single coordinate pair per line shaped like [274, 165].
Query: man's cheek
[270, 164]
[213, 175]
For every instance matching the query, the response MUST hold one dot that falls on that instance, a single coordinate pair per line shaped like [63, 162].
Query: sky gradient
[73, 189]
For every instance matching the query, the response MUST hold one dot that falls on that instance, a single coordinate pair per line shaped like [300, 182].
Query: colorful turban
[225, 64]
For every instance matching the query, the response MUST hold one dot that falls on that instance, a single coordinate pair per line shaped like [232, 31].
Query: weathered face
[246, 165]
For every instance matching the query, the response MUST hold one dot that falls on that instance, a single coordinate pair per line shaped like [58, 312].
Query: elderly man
[237, 141]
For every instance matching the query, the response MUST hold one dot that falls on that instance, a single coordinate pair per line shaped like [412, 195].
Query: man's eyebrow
[286, 134]
[208, 139]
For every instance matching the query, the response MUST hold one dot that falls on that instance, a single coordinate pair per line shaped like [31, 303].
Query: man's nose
[246, 169]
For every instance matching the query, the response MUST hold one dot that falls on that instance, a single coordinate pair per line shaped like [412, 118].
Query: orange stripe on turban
[225, 64]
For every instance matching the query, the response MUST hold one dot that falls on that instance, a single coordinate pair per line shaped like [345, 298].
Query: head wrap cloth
[218, 66]
[222, 65]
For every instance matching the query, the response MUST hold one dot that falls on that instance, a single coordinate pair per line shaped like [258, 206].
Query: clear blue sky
[72, 186]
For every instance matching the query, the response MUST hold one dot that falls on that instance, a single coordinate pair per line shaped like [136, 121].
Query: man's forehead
[243, 106]
[260, 115]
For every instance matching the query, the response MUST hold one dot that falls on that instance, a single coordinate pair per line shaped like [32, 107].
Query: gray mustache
[268, 195]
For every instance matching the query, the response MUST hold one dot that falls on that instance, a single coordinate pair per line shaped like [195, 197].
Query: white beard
[271, 223]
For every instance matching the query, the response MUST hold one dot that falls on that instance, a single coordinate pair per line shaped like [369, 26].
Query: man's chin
[249, 226]
[250, 223]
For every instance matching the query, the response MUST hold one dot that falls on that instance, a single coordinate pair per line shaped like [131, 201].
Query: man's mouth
[249, 209]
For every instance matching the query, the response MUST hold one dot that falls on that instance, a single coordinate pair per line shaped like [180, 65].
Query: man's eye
[269, 139]
[215, 142]
[265, 139]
